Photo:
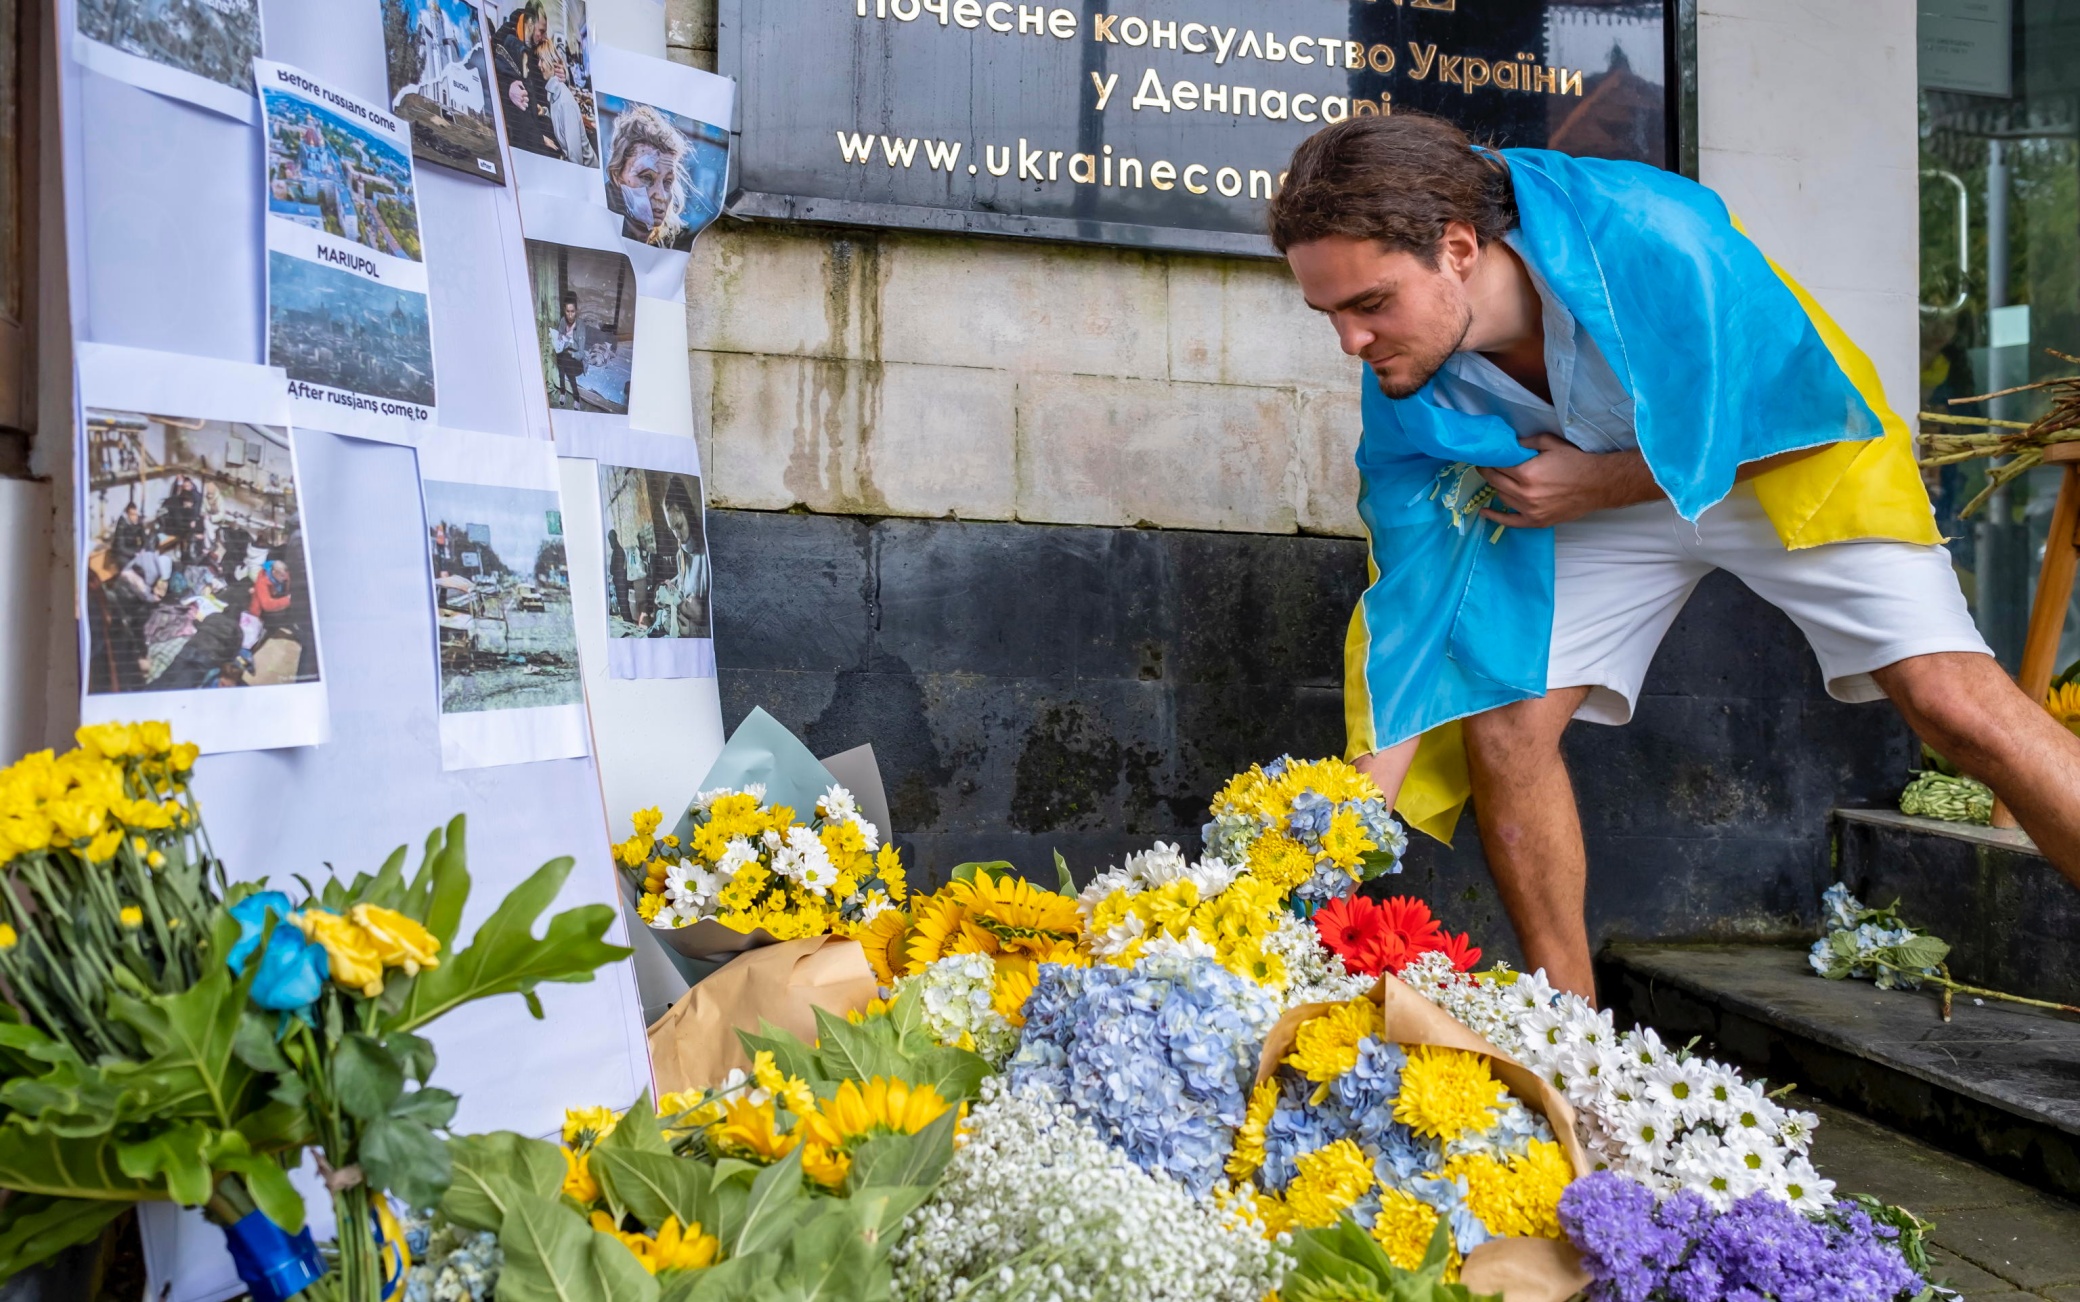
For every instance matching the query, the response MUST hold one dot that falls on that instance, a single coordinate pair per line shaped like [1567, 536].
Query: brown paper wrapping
[694, 1045]
[1521, 1270]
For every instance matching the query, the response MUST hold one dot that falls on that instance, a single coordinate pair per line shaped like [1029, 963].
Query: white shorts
[1621, 577]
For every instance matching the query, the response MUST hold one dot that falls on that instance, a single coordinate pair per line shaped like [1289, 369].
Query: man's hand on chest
[1564, 483]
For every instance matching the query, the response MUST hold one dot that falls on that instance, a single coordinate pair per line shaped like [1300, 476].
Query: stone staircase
[1998, 1083]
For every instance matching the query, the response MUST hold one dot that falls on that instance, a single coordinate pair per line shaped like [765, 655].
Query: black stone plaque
[1156, 123]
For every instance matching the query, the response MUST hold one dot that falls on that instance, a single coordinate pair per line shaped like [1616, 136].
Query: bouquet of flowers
[170, 1036]
[757, 870]
[1238, 917]
[1403, 1137]
[982, 912]
[1873, 944]
[1312, 829]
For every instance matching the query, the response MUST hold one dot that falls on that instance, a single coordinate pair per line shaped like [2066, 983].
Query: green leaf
[553, 1256]
[264, 1178]
[67, 1095]
[737, 1279]
[428, 1105]
[490, 1170]
[637, 1130]
[505, 957]
[34, 1229]
[956, 1073]
[366, 1078]
[965, 872]
[790, 1055]
[883, 1207]
[173, 1156]
[254, 1045]
[441, 886]
[407, 1159]
[413, 1053]
[1065, 881]
[851, 1052]
[771, 1209]
[1920, 952]
[650, 1186]
[918, 1159]
[61, 1167]
[192, 1070]
[830, 1259]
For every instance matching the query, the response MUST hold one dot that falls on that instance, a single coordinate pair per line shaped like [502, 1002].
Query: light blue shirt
[1599, 411]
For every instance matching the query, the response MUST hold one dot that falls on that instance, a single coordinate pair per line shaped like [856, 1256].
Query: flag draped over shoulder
[1727, 362]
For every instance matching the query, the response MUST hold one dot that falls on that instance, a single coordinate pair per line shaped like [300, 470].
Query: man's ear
[1459, 249]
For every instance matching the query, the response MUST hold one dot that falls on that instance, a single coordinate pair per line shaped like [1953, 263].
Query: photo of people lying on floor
[194, 567]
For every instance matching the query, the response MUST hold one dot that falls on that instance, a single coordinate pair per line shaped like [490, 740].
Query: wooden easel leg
[2047, 614]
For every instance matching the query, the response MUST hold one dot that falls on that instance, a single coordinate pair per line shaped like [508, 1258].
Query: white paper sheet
[186, 50]
[510, 687]
[349, 317]
[195, 580]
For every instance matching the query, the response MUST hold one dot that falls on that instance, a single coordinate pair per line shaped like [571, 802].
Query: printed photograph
[195, 567]
[213, 39]
[501, 598]
[664, 172]
[333, 174]
[657, 553]
[440, 82]
[585, 315]
[545, 78]
[334, 328]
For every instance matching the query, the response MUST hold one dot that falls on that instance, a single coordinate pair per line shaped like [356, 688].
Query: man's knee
[1961, 704]
[1521, 736]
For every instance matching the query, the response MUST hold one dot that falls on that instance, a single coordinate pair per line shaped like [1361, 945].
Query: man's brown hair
[1399, 180]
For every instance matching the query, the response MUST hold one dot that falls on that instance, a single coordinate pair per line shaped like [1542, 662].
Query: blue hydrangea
[1310, 817]
[1296, 1128]
[1158, 1057]
[1448, 1196]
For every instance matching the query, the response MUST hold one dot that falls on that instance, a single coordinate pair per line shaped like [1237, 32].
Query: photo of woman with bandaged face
[664, 172]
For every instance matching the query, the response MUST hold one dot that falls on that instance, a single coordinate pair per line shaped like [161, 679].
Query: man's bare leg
[1965, 705]
[1532, 832]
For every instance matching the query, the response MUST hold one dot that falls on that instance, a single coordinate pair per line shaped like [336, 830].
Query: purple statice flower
[1759, 1250]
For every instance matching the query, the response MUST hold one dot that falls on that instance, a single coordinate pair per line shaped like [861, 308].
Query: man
[1588, 390]
[126, 537]
[567, 340]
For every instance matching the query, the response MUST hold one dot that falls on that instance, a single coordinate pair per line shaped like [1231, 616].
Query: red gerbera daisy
[1462, 951]
[1410, 922]
[1354, 928]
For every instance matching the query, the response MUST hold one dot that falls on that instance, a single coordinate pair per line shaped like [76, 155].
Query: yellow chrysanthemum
[1249, 959]
[1248, 1153]
[1403, 1228]
[749, 1131]
[2064, 704]
[881, 1106]
[647, 905]
[577, 1178]
[1329, 1181]
[1446, 1093]
[888, 866]
[1520, 1198]
[584, 1127]
[1280, 860]
[1326, 1045]
[790, 1090]
[1346, 841]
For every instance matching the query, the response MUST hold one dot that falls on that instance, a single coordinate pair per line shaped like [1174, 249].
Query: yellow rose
[356, 963]
[400, 941]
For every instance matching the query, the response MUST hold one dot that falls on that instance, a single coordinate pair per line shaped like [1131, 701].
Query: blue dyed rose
[292, 970]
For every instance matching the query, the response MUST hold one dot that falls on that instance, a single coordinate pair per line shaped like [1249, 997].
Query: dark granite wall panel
[1031, 688]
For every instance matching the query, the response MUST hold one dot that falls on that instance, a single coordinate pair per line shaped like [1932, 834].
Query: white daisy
[1804, 1187]
[837, 804]
[1680, 1088]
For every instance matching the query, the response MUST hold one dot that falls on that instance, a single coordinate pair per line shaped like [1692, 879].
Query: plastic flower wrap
[1157, 1057]
[1036, 1205]
[1642, 1249]
[1242, 920]
[1403, 1138]
[753, 866]
[1661, 1116]
[1311, 829]
[1014, 924]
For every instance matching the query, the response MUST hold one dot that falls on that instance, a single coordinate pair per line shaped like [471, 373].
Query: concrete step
[1998, 1083]
[2010, 917]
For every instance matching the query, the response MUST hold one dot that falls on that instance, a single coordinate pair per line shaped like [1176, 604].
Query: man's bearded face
[1401, 318]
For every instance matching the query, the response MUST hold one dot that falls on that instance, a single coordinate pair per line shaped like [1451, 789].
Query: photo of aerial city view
[501, 597]
[333, 175]
[215, 39]
[338, 329]
[440, 82]
[194, 558]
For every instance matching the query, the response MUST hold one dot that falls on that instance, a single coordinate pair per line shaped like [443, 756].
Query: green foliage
[1343, 1264]
[894, 1046]
[491, 1170]
[553, 1256]
[34, 1228]
[1913, 1231]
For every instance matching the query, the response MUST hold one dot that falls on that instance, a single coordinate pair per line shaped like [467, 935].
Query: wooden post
[2047, 615]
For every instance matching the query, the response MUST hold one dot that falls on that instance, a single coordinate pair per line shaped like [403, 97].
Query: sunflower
[1014, 986]
[882, 1106]
[2064, 704]
[1248, 1153]
[991, 915]
[883, 940]
[748, 1130]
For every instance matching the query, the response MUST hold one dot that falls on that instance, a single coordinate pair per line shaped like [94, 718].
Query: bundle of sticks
[2022, 443]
